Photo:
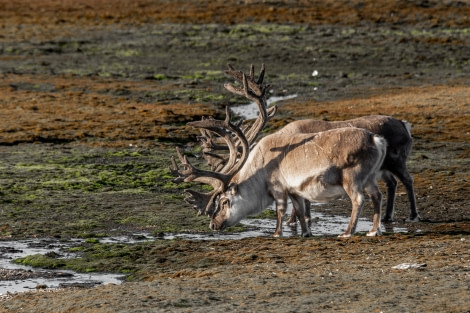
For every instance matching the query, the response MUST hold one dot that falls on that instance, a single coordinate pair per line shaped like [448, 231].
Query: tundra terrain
[95, 96]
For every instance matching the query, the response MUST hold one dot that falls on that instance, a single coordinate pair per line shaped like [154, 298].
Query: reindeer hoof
[344, 235]
[307, 234]
[413, 219]
[291, 222]
[378, 232]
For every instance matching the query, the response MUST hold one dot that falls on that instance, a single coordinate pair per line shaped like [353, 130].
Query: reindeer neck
[251, 197]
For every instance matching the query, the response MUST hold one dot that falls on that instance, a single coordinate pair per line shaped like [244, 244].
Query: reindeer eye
[225, 202]
[221, 205]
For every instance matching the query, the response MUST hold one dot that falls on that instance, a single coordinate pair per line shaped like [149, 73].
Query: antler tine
[255, 86]
[252, 92]
[190, 173]
[208, 142]
[272, 111]
[259, 99]
[252, 72]
[203, 203]
[261, 75]
[216, 161]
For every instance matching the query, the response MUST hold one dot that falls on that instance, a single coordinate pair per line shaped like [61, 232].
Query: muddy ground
[94, 98]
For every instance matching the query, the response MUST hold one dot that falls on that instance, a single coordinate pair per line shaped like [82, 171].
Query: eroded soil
[95, 97]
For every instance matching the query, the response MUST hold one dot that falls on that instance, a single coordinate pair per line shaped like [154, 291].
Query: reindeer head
[218, 135]
[224, 216]
[205, 202]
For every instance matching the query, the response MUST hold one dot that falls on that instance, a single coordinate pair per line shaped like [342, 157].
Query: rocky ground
[95, 96]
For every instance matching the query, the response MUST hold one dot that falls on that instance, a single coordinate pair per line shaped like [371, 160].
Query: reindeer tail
[407, 126]
[381, 144]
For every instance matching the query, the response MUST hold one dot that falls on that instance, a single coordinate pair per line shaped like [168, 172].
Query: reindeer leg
[281, 208]
[407, 181]
[391, 183]
[376, 196]
[299, 203]
[357, 199]
[292, 219]
[308, 214]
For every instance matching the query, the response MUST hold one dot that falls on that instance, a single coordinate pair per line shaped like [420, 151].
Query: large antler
[253, 90]
[256, 92]
[236, 140]
[209, 143]
[202, 202]
[217, 135]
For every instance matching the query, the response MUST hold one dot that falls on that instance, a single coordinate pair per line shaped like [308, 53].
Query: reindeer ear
[233, 188]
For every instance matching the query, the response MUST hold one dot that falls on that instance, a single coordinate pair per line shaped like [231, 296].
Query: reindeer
[398, 136]
[396, 132]
[317, 167]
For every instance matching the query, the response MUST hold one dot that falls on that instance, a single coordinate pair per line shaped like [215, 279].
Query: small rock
[405, 266]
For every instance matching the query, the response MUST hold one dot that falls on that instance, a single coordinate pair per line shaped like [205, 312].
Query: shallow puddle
[322, 225]
[32, 278]
[250, 111]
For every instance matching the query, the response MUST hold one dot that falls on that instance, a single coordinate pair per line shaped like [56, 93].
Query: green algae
[64, 192]
[93, 256]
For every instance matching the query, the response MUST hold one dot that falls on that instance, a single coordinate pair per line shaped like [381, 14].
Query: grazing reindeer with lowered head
[317, 167]
[396, 132]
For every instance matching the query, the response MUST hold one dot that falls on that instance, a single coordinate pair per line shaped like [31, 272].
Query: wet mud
[94, 98]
